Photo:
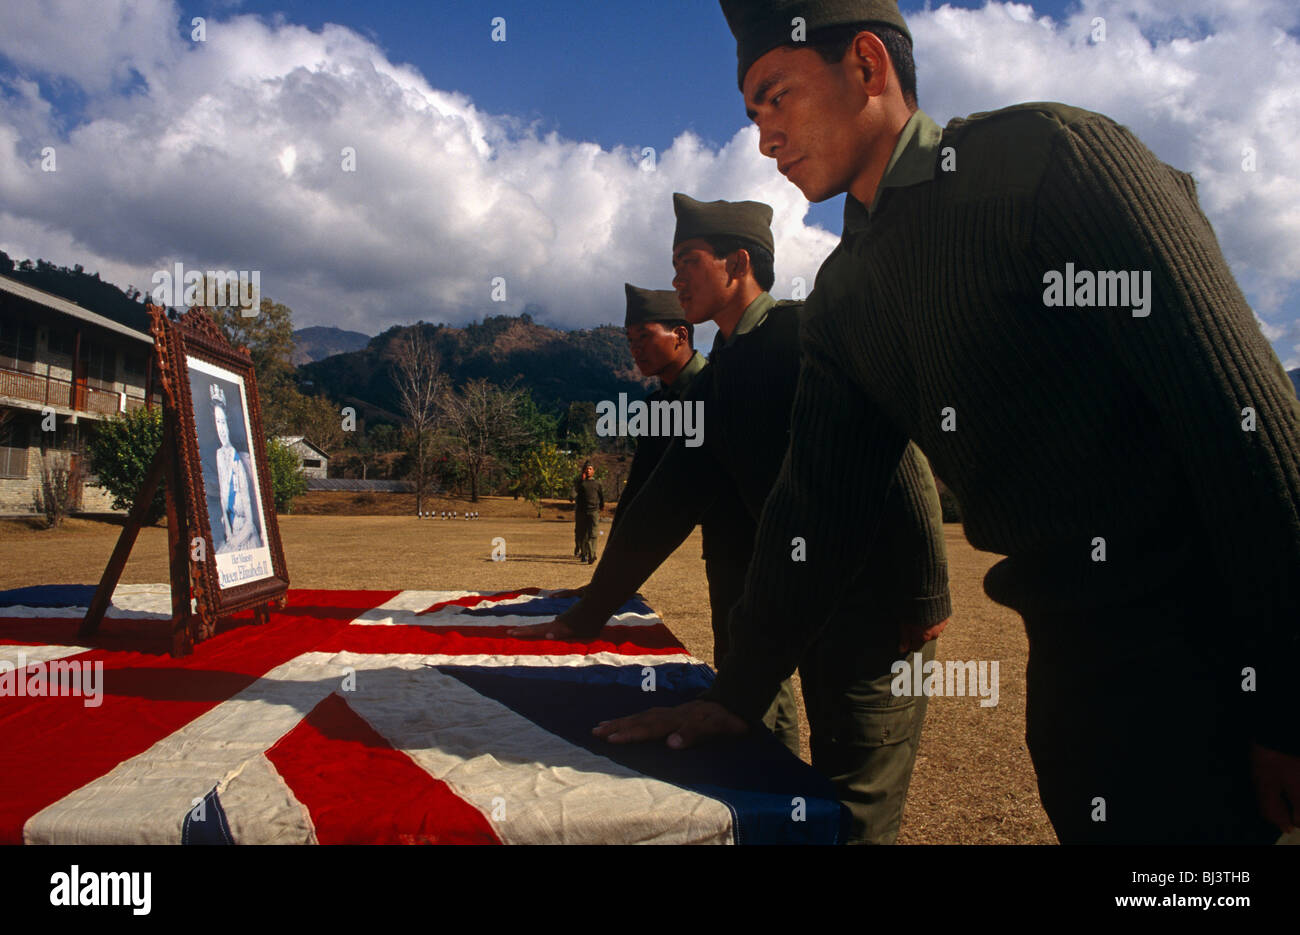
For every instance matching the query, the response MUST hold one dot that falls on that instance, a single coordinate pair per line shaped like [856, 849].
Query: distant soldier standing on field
[589, 500]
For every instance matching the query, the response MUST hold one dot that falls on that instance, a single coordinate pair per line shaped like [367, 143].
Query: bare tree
[60, 490]
[420, 387]
[486, 420]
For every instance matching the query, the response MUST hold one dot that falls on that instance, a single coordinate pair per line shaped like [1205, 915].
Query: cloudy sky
[527, 159]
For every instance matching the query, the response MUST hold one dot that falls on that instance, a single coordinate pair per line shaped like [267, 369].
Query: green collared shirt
[677, 389]
[915, 157]
[755, 314]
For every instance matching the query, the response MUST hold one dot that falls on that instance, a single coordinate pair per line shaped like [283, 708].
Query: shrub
[121, 453]
[287, 480]
[546, 472]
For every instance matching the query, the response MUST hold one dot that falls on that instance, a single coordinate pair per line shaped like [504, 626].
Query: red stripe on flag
[53, 746]
[359, 790]
[656, 640]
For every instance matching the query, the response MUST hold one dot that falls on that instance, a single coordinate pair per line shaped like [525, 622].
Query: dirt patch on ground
[973, 784]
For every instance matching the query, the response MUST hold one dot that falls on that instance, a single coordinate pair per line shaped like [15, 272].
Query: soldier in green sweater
[1134, 452]
[863, 736]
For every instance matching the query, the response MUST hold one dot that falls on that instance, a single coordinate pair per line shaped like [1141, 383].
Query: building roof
[291, 440]
[49, 300]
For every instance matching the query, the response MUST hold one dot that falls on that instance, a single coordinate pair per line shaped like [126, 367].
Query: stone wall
[17, 494]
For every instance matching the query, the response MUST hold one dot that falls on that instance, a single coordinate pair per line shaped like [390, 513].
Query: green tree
[287, 479]
[547, 472]
[539, 428]
[121, 453]
[580, 425]
[268, 335]
[384, 436]
[362, 457]
[313, 416]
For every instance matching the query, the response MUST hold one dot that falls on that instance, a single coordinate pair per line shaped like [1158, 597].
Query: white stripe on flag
[551, 791]
[407, 609]
[406, 602]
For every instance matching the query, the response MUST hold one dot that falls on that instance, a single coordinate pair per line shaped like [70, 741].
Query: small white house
[312, 461]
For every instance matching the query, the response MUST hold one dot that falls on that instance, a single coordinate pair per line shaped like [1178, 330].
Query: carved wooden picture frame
[224, 478]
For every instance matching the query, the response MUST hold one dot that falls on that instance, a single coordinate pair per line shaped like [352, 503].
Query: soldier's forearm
[913, 543]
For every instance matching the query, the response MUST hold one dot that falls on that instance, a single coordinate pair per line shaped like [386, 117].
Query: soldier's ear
[868, 54]
[738, 264]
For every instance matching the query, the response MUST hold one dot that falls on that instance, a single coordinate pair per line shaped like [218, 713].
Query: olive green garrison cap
[742, 220]
[762, 25]
[645, 305]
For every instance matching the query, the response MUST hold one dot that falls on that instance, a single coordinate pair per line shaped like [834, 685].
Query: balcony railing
[35, 389]
[52, 391]
[101, 401]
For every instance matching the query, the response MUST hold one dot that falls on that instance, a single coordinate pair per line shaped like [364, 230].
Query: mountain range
[557, 367]
[320, 341]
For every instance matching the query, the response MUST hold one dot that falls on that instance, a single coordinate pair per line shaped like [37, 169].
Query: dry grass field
[973, 782]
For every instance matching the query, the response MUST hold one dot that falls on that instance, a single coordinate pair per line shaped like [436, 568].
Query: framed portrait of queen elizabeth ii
[223, 542]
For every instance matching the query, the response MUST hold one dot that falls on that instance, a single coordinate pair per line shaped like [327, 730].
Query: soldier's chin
[691, 315]
[811, 190]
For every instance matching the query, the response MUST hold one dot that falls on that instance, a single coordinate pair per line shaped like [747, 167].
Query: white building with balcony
[63, 370]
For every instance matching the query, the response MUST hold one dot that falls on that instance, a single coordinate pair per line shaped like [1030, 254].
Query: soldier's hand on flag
[570, 592]
[557, 629]
[912, 636]
[684, 725]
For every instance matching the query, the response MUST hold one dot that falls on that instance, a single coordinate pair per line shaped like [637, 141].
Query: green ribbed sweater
[1071, 424]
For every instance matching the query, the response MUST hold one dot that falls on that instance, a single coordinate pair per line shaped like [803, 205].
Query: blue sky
[521, 160]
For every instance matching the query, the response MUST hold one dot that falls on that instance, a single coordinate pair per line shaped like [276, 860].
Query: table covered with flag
[369, 717]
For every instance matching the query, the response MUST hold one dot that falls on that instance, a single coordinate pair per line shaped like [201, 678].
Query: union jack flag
[370, 717]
